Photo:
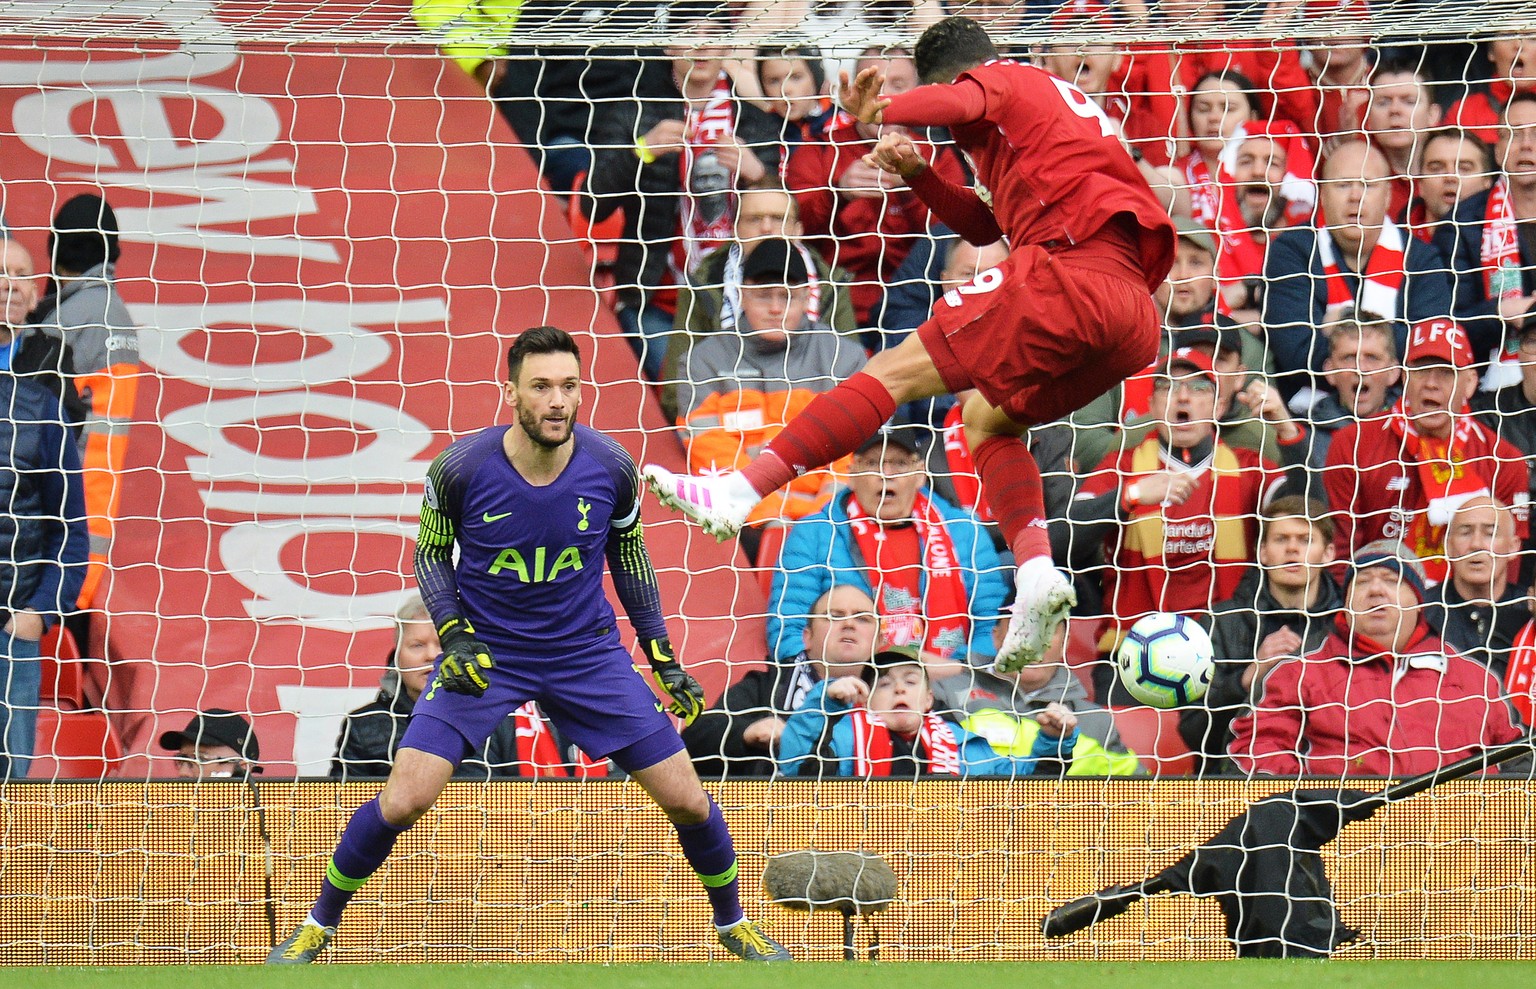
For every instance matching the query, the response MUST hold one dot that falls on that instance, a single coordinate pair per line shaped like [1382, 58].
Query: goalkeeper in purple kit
[534, 508]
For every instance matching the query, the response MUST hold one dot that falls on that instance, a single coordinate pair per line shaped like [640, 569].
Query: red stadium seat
[63, 683]
[768, 556]
[77, 745]
[63, 677]
[1153, 735]
[59, 642]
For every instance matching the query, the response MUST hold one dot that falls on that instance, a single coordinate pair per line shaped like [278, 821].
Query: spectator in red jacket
[1275, 66]
[1178, 513]
[865, 220]
[1382, 696]
[1404, 474]
[1514, 71]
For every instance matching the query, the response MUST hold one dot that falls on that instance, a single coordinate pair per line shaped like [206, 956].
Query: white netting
[329, 235]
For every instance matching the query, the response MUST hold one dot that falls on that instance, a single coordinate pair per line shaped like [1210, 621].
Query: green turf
[975, 975]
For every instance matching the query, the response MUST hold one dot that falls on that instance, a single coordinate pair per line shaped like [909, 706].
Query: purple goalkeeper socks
[364, 846]
[709, 850]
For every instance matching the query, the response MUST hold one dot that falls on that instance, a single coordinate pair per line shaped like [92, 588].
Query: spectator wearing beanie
[1382, 696]
[84, 310]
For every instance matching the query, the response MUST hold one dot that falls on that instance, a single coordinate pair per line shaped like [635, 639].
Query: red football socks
[832, 426]
[1011, 479]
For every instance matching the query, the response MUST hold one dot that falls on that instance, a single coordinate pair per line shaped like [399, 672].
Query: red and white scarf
[944, 609]
[1442, 472]
[703, 128]
[962, 467]
[1204, 192]
[538, 753]
[1501, 245]
[1379, 284]
[936, 748]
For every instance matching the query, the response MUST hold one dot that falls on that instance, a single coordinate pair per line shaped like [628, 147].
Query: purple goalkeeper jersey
[529, 576]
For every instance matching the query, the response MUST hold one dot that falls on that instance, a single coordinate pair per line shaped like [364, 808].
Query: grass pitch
[916, 975]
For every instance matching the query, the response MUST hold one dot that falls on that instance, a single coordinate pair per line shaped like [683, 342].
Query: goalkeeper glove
[687, 696]
[465, 658]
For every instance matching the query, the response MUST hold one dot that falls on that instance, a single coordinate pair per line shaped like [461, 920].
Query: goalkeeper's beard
[533, 426]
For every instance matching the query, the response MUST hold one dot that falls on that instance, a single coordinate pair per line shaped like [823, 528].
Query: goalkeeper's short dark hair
[950, 47]
[539, 340]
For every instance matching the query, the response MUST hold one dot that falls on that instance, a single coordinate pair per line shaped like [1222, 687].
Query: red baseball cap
[1438, 341]
[1188, 357]
[1082, 13]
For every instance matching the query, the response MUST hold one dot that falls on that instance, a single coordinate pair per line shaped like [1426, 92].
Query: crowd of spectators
[1346, 380]
[1329, 465]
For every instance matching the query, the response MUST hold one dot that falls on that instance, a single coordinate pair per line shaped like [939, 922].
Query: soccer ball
[1165, 660]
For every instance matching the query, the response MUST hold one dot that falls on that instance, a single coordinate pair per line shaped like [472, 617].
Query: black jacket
[1237, 627]
[45, 359]
[371, 734]
[714, 740]
[649, 193]
[43, 538]
[1484, 632]
[1461, 241]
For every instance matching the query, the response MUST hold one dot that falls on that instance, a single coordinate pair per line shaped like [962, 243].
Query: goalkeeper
[523, 616]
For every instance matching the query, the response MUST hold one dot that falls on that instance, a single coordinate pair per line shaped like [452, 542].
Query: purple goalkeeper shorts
[594, 696]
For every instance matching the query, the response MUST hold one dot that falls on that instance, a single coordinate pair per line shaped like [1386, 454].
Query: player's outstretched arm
[860, 96]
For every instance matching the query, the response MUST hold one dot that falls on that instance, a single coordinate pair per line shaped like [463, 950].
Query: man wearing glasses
[1176, 514]
[929, 567]
[216, 744]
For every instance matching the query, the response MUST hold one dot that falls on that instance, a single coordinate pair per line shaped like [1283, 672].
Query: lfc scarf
[709, 191]
[935, 749]
[1204, 192]
[944, 609]
[1380, 283]
[1441, 468]
[1500, 258]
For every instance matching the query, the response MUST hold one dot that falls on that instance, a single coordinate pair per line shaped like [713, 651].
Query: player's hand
[861, 96]
[687, 696]
[895, 153]
[466, 660]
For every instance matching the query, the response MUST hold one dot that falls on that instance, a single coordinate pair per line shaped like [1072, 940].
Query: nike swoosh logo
[660, 707]
[494, 518]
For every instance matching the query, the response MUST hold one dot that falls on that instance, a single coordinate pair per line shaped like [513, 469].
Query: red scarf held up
[937, 750]
[1441, 468]
[703, 128]
[1520, 674]
[945, 608]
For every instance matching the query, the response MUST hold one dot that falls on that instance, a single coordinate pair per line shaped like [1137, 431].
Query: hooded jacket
[1355, 708]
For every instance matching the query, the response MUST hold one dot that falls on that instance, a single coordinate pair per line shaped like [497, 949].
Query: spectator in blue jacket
[884, 725]
[1355, 259]
[43, 547]
[930, 567]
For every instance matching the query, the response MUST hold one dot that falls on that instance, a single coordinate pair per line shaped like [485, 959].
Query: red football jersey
[1054, 167]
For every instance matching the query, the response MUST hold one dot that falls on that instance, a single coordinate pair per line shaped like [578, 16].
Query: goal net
[289, 244]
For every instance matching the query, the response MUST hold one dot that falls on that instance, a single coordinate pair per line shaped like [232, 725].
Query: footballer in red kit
[1065, 317]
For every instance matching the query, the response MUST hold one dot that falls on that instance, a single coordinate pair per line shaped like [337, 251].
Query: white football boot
[719, 503]
[1043, 597]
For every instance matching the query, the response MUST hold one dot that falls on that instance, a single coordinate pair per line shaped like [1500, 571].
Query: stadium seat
[77, 745]
[1153, 735]
[63, 683]
[768, 556]
[59, 643]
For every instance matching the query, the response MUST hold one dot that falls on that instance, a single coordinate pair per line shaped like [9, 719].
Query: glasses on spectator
[1194, 386]
[888, 465]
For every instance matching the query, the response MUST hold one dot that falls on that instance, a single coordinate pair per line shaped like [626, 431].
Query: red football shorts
[1042, 334]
